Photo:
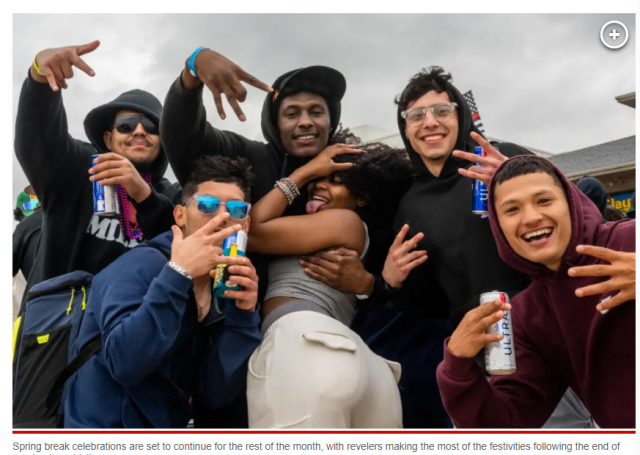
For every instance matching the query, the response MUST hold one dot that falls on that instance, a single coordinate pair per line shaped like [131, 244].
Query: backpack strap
[92, 348]
[83, 356]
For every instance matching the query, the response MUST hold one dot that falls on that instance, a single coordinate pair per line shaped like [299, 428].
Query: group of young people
[359, 298]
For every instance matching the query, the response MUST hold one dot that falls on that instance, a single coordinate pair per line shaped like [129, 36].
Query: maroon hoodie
[560, 340]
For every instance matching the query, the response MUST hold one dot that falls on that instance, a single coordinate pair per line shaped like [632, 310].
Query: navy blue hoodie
[155, 354]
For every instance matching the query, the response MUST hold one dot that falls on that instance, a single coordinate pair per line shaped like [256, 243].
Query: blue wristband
[192, 60]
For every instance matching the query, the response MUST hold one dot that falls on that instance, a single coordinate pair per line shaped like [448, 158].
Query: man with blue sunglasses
[171, 349]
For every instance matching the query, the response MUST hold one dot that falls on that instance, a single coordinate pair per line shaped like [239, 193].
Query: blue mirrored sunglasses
[238, 210]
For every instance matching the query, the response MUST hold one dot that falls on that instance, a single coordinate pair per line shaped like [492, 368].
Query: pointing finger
[226, 232]
[597, 252]
[214, 223]
[596, 289]
[592, 270]
[255, 82]
[86, 48]
[486, 179]
[618, 299]
[342, 166]
[400, 237]
[469, 156]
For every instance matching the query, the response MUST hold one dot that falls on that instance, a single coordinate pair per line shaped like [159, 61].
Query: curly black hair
[380, 177]
[431, 78]
[219, 169]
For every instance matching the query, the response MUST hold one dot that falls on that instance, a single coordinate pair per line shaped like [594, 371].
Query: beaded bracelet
[292, 186]
[286, 190]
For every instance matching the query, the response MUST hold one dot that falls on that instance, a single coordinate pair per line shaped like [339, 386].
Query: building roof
[598, 159]
[628, 100]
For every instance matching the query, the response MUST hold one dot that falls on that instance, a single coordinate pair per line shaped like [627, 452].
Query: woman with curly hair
[312, 370]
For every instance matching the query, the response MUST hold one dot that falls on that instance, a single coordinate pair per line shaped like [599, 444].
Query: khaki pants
[312, 371]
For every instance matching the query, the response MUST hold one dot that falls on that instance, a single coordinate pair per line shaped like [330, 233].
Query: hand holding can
[234, 245]
[471, 334]
[500, 355]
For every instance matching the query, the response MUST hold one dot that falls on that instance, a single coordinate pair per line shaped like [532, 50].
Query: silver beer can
[500, 357]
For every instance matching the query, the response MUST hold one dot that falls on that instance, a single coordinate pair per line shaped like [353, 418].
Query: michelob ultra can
[480, 190]
[234, 245]
[500, 357]
[105, 202]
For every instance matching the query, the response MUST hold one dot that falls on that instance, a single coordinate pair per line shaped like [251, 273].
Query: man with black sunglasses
[124, 133]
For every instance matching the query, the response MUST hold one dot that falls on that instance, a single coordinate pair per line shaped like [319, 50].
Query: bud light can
[234, 245]
[500, 357]
[105, 202]
[480, 190]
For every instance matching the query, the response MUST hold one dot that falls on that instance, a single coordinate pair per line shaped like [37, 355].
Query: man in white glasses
[438, 131]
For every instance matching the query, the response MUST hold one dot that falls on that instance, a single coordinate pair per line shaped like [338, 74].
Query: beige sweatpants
[312, 371]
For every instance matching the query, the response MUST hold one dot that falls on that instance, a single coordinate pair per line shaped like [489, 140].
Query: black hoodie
[57, 167]
[463, 258]
[186, 135]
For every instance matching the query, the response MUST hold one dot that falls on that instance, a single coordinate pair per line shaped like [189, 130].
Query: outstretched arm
[49, 156]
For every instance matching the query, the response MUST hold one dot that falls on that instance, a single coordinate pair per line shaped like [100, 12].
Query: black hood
[329, 77]
[464, 142]
[595, 191]
[101, 119]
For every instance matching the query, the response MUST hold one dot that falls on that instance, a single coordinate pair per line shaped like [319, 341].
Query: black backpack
[45, 336]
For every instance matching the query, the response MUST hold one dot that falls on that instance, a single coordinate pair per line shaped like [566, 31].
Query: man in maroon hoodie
[561, 339]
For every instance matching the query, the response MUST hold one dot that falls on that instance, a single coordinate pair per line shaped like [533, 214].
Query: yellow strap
[16, 329]
[73, 292]
[35, 66]
[84, 298]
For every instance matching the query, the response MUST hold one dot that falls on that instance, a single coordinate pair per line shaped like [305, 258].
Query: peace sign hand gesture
[56, 64]
[488, 163]
[622, 272]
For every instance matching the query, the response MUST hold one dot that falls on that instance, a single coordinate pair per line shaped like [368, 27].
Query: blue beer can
[480, 190]
[105, 202]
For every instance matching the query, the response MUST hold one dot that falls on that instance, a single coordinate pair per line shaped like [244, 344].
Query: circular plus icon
[614, 34]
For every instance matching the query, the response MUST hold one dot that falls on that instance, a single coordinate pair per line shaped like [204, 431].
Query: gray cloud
[544, 81]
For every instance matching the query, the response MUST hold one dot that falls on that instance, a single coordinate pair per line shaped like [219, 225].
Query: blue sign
[620, 201]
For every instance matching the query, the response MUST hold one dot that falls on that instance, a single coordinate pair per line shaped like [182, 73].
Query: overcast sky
[544, 81]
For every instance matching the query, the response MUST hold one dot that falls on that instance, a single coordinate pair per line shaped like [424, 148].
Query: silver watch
[178, 268]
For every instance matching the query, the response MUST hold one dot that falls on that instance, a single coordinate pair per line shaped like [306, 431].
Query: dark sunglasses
[128, 124]
[238, 210]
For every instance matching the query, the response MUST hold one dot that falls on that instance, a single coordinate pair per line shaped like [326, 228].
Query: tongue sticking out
[314, 205]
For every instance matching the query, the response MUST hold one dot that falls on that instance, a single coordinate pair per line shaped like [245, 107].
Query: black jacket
[463, 258]
[57, 165]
